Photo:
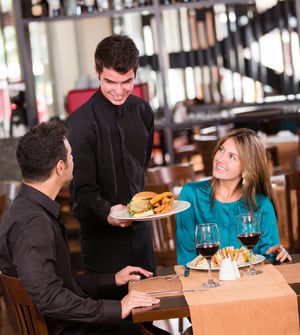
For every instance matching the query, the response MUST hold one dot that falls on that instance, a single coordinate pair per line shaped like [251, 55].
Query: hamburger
[140, 205]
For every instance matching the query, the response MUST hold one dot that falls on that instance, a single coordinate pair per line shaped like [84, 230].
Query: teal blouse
[224, 214]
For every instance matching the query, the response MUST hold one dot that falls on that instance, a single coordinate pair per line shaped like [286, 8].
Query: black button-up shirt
[33, 246]
[111, 146]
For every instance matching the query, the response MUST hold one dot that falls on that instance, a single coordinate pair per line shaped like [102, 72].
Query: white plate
[179, 206]
[258, 259]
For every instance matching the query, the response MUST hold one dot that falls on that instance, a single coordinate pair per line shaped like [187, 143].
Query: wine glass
[248, 232]
[207, 242]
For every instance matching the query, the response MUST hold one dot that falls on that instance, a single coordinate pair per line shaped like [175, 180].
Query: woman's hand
[281, 254]
[133, 273]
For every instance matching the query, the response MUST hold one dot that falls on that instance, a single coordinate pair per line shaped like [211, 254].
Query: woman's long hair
[254, 161]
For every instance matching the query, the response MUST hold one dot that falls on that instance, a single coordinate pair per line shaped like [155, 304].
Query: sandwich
[140, 206]
[240, 256]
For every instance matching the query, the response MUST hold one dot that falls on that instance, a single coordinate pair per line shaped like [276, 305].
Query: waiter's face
[116, 87]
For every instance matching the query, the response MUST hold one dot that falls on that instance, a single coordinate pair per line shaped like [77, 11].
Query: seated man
[33, 247]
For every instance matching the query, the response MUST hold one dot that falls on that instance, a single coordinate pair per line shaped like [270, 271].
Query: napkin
[160, 285]
[228, 270]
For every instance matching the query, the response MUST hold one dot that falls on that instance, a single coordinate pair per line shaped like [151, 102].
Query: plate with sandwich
[148, 205]
[240, 256]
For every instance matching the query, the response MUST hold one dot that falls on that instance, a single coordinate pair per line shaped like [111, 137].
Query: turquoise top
[224, 214]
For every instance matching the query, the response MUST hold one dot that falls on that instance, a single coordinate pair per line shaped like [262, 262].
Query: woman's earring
[243, 178]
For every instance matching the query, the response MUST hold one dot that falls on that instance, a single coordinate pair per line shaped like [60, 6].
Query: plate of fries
[240, 256]
[177, 207]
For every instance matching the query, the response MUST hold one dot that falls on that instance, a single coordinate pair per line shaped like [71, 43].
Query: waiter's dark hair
[40, 149]
[117, 52]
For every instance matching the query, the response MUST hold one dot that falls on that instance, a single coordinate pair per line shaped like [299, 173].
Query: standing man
[33, 247]
[111, 137]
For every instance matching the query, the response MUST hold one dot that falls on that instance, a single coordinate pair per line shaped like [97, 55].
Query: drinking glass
[207, 242]
[248, 232]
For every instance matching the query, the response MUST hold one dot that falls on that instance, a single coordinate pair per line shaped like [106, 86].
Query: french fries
[162, 202]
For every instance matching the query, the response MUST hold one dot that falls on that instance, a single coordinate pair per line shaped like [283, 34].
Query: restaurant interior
[206, 67]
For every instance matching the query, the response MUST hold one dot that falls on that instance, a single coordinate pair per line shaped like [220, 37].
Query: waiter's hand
[118, 222]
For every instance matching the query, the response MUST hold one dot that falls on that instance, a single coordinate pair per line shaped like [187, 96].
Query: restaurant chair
[292, 182]
[72, 227]
[2, 208]
[185, 153]
[273, 160]
[287, 152]
[10, 188]
[2, 205]
[172, 175]
[163, 233]
[23, 315]
[206, 145]
[75, 98]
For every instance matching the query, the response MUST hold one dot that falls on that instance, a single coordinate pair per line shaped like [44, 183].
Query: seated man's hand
[136, 299]
[133, 273]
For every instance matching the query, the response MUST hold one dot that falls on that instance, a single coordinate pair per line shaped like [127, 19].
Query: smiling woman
[240, 183]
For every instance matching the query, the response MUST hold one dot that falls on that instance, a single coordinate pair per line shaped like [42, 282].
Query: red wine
[249, 240]
[207, 250]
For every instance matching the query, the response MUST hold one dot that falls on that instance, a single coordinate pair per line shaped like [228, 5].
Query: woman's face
[226, 163]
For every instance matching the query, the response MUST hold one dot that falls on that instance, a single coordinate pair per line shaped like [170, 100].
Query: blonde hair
[255, 178]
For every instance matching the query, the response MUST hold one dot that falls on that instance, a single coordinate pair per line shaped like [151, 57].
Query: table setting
[236, 299]
[240, 295]
[263, 304]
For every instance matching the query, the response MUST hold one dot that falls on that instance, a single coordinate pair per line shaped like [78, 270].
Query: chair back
[10, 188]
[163, 233]
[23, 315]
[287, 152]
[206, 145]
[292, 181]
[75, 98]
[2, 205]
[172, 175]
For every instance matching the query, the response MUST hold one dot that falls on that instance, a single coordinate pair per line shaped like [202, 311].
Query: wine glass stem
[209, 270]
[251, 262]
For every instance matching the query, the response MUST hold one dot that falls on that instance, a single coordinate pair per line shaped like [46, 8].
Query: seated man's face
[69, 163]
[116, 87]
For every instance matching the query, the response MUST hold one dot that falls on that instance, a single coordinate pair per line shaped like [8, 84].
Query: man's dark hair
[40, 149]
[117, 52]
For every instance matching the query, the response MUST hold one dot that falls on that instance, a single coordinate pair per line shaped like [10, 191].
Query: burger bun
[144, 195]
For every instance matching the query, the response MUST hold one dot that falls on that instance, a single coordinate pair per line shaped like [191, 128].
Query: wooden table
[176, 306]
[169, 308]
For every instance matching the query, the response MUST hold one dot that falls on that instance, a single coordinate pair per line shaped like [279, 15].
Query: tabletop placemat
[262, 304]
